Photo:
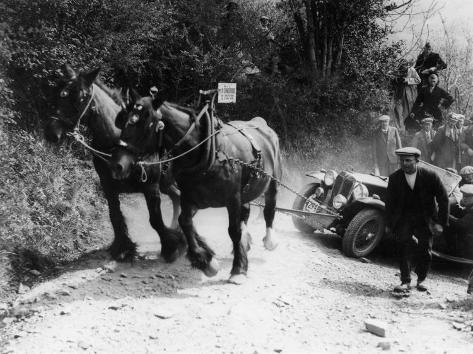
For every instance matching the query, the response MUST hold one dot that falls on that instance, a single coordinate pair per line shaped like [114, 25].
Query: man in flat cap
[411, 210]
[423, 138]
[466, 173]
[461, 226]
[446, 144]
[386, 140]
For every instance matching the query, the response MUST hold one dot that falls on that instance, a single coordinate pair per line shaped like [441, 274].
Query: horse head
[141, 130]
[75, 96]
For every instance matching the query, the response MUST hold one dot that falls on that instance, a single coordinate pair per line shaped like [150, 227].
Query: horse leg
[172, 241]
[175, 196]
[199, 253]
[240, 259]
[245, 234]
[122, 248]
[269, 211]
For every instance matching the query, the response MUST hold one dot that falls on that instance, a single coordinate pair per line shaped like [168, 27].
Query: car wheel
[363, 233]
[302, 204]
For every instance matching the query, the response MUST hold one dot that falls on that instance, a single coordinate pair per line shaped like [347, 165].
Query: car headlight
[360, 191]
[319, 192]
[339, 201]
[330, 177]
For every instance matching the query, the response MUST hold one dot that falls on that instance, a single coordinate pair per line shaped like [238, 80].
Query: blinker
[159, 126]
[133, 119]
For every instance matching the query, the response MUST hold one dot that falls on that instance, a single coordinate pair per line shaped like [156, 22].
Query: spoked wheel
[363, 233]
[305, 205]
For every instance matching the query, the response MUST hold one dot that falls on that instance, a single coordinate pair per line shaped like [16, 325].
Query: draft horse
[216, 165]
[83, 99]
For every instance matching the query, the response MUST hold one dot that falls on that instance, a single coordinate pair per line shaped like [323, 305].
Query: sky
[457, 14]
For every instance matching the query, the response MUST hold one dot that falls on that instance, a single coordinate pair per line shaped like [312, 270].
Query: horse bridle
[75, 127]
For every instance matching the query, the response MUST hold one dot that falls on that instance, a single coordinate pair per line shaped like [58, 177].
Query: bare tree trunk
[329, 56]
[338, 62]
[299, 24]
[283, 119]
[311, 50]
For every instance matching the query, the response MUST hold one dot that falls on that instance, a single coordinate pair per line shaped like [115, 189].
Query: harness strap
[253, 142]
[191, 128]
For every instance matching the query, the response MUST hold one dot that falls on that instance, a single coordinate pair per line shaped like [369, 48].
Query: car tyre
[299, 204]
[366, 227]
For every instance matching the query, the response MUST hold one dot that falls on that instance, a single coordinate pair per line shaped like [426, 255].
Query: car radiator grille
[344, 184]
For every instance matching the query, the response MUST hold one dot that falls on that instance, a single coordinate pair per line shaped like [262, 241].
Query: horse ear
[135, 96]
[68, 71]
[90, 77]
[121, 119]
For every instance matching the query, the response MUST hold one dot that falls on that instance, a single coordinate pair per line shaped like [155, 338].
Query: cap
[154, 89]
[467, 190]
[384, 118]
[408, 151]
[427, 45]
[453, 117]
[427, 120]
[467, 170]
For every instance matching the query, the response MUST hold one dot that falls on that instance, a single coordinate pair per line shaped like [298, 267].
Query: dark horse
[84, 99]
[222, 167]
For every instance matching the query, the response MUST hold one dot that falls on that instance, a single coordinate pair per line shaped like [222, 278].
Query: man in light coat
[385, 142]
[446, 144]
[423, 138]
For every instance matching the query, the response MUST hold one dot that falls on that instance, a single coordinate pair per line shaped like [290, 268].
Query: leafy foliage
[179, 46]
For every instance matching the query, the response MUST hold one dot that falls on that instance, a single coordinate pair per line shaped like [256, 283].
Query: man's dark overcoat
[428, 103]
[430, 189]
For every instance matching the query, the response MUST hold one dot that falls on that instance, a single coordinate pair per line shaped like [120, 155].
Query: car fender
[317, 175]
[368, 202]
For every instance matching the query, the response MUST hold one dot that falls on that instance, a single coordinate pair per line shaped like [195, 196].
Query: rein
[81, 140]
[84, 111]
[144, 176]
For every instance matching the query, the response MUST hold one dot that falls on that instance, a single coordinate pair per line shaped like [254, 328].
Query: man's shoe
[403, 288]
[421, 287]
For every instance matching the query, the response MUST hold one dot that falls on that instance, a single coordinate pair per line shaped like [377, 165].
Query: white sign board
[226, 92]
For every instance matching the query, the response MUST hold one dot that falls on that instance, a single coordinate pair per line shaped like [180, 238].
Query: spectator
[446, 143]
[466, 173]
[467, 144]
[461, 225]
[429, 100]
[428, 62]
[411, 209]
[386, 140]
[423, 138]
[405, 92]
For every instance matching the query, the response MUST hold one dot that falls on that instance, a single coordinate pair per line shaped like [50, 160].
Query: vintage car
[352, 205]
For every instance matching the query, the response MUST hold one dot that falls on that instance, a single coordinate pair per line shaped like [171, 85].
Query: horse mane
[114, 94]
[187, 110]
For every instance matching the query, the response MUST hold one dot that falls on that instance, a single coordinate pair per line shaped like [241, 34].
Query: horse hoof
[269, 244]
[212, 268]
[237, 279]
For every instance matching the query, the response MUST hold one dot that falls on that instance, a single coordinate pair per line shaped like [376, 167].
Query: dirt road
[303, 297]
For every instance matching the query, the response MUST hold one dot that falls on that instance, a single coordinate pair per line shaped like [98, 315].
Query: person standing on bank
[386, 140]
[429, 100]
[428, 62]
[405, 92]
[423, 138]
[411, 210]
